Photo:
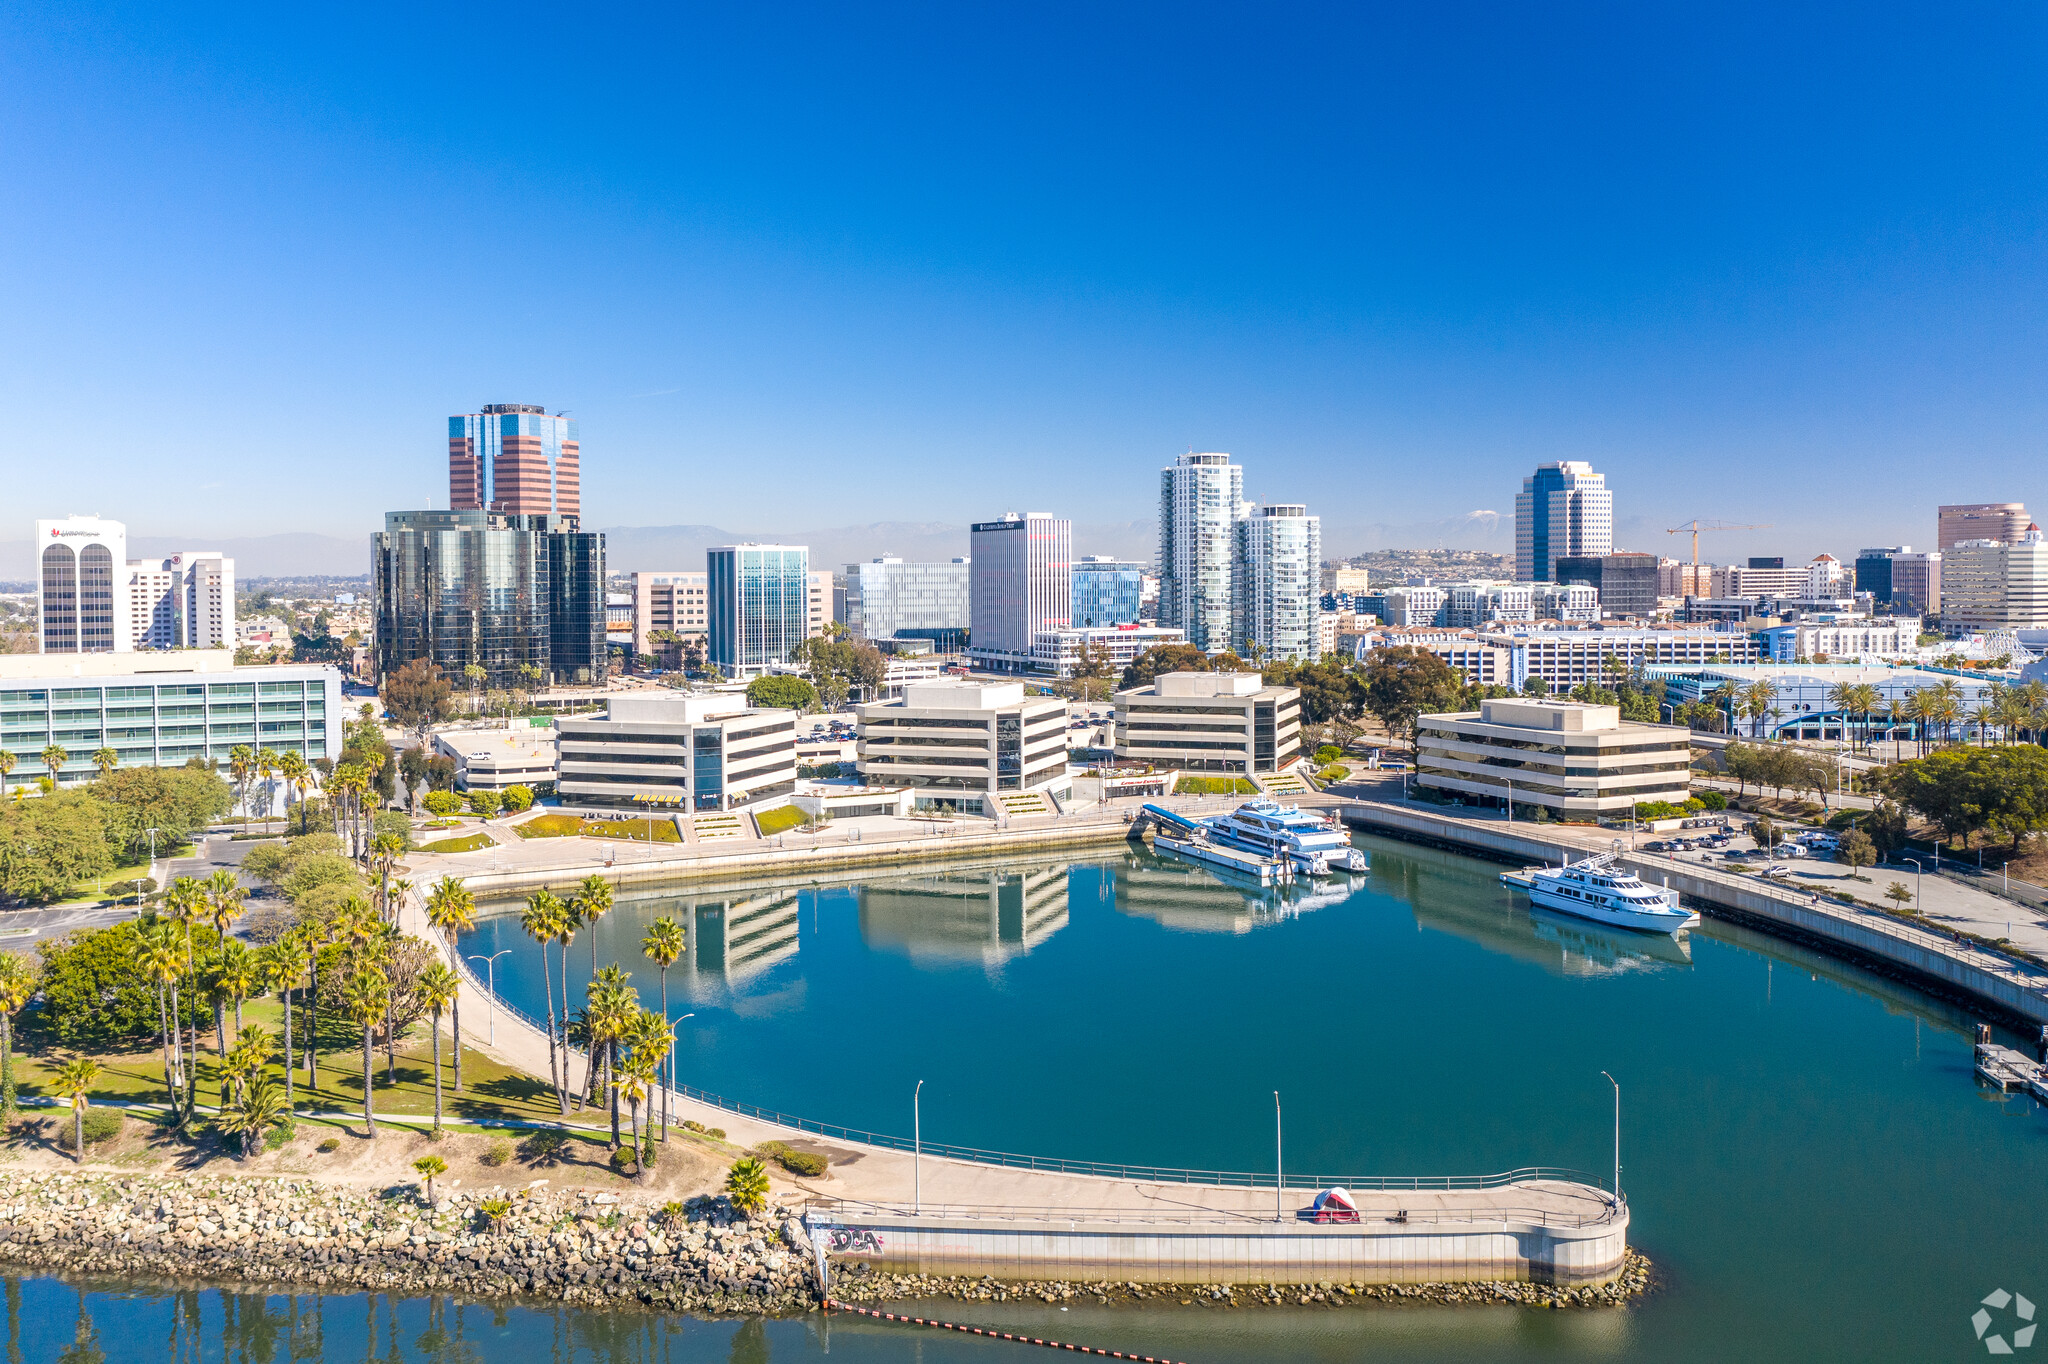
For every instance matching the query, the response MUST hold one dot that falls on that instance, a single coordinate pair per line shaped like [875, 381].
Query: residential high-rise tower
[1563, 511]
[1201, 500]
[1276, 581]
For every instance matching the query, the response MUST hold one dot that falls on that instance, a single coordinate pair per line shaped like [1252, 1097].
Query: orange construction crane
[1695, 526]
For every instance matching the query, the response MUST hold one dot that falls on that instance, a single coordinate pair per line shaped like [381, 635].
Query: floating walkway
[1184, 837]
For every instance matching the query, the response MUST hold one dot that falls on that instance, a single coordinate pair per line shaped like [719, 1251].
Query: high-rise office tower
[514, 458]
[94, 599]
[2004, 522]
[1990, 584]
[1563, 511]
[889, 599]
[1201, 500]
[1020, 581]
[1276, 581]
[1626, 582]
[1107, 591]
[758, 599]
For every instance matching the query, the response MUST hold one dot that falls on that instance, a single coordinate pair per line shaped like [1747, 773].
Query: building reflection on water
[988, 916]
[734, 940]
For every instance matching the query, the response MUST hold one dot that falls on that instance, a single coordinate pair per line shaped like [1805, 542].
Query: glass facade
[1107, 592]
[759, 600]
[502, 592]
[165, 724]
[888, 598]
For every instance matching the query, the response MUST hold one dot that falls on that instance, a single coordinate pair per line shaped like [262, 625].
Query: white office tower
[82, 598]
[1564, 511]
[1989, 585]
[1020, 581]
[1276, 583]
[1201, 500]
[184, 601]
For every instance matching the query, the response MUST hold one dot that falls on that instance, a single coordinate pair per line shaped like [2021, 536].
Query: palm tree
[613, 1007]
[261, 1107]
[223, 905]
[7, 761]
[452, 909]
[298, 779]
[162, 964]
[266, 767]
[17, 987]
[1984, 715]
[542, 920]
[281, 969]
[1722, 699]
[241, 766]
[634, 1083]
[593, 902]
[74, 1081]
[1757, 699]
[241, 975]
[54, 758]
[105, 759]
[366, 995]
[663, 945]
[312, 936]
[426, 1167]
[571, 920]
[746, 1184]
[439, 987]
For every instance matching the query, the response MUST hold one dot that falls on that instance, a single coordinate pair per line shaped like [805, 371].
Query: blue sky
[814, 266]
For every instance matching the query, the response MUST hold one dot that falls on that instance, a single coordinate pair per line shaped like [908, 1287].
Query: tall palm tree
[367, 996]
[663, 944]
[54, 758]
[639, 1076]
[241, 766]
[613, 1006]
[7, 761]
[282, 967]
[439, 987]
[1757, 699]
[163, 963]
[452, 909]
[298, 778]
[105, 759]
[266, 767]
[571, 920]
[74, 1081]
[17, 986]
[542, 920]
[593, 902]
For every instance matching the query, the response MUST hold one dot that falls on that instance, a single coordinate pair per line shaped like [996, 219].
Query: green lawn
[466, 843]
[1215, 786]
[779, 820]
[490, 1090]
[562, 826]
[94, 890]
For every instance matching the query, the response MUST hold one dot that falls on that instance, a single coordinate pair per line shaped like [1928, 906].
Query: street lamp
[917, 1149]
[491, 992]
[671, 1070]
[152, 864]
[1617, 1137]
[1279, 1212]
[1919, 881]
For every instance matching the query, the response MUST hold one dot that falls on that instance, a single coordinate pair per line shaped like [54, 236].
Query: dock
[2009, 1069]
[1267, 871]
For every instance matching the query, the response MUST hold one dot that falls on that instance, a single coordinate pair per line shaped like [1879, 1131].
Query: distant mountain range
[652, 548]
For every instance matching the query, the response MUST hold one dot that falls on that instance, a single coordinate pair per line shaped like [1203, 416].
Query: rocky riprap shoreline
[858, 1284]
[575, 1246]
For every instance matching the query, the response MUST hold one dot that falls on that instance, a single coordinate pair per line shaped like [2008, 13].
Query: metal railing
[1147, 1174]
[847, 1210]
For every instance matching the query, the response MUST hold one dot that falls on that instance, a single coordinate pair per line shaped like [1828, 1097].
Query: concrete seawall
[1212, 1247]
[2012, 988]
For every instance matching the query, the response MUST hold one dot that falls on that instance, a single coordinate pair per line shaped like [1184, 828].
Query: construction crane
[1695, 526]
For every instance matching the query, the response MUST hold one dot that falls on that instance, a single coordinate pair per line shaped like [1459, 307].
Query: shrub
[1328, 754]
[443, 803]
[715, 1133]
[1712, 800]
[746, 1184]
[486, 803]
[544, 1148]
[495, 1210]
[331, 1145]
[279, 1134]
[497, 1153]
[621, 1160]
[1334, 772]
[674, 1213]
[517, 798]
[101, 1124]
[802, 1162]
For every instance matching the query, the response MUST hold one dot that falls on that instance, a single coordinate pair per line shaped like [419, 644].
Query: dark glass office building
[515, 595]
[1627, 583]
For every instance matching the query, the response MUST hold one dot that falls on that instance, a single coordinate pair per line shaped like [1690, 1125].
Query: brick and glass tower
[514, 458]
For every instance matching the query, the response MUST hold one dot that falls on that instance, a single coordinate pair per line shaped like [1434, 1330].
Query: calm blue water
[1808, 1158]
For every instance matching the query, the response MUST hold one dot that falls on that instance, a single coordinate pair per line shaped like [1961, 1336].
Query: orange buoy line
[991, 1333]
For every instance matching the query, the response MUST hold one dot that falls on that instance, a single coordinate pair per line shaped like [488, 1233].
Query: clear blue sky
[1782, 263]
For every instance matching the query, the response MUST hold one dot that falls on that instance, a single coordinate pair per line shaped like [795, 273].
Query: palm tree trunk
[566, 1081]
[612, 1084]
[78, 1131]
[390, 1049]
[286, 995]
[220, 1035]
[455, 942]
[170, 1047]
[639, 1165]
[437, 1079]
[666, 1021]
[548, 989]
[369, 1114]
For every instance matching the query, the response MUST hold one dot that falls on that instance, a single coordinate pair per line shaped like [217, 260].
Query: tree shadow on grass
[507, 1096]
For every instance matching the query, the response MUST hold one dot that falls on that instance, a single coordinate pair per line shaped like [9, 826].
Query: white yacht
[1315, 844]
[1599, 890]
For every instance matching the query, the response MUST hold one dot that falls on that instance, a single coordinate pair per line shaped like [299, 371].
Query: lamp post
[1919, 878]
[152, 864]
[1278, 1181]
[491, 992]
[672, 1044]
[917, 1149]
[1617, 1137]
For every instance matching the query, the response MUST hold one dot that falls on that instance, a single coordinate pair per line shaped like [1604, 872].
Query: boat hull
[1613, 917]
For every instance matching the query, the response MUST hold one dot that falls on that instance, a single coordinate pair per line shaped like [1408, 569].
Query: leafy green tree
[417, 694]
[517, 798]
[175, 801]
[1405, 682]
[485, 803]
[1858, 850]
[782, 691]
[1897, 893]
[1163, 658]
[48, 846]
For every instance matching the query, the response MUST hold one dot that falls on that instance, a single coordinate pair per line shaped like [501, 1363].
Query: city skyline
[1411, 251]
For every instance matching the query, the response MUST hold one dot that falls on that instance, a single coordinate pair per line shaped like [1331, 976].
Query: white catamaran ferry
[1313, 843]
[1599, 890]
